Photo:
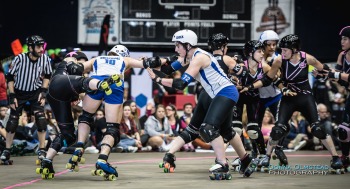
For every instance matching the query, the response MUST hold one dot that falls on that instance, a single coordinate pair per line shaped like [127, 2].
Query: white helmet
[186, 36]
[121, 50]
[268, 35]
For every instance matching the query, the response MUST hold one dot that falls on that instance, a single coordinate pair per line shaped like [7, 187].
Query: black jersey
[345, 64]
[250, 79]
[296, 76]
[220, 59]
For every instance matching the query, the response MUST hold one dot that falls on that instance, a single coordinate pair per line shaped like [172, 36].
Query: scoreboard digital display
[153, 22]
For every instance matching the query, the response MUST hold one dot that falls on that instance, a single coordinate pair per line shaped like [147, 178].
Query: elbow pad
[338, 67]
[266, 80]
[167, 69]
[9, 77]
[153, 62]
[183, 82]
[75, 69]
[238, 67]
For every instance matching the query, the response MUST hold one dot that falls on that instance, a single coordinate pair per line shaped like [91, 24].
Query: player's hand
[288, 92]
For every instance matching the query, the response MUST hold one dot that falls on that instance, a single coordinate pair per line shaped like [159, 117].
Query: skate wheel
[115, 77]
[82, 160]
[76, 168]
[45, 171]
[37, 162]
[228, 176]
[93, 172]
[212, 177]
[38, 170]
[166, 170]
[119, 83]
[108, 91]
[274, 157]
[50, 175]
[43, 176]
[167, 165]
[171, 170]
[75, 158]
[112, 177]
[99, 172]
[161, 165]
[69, 166]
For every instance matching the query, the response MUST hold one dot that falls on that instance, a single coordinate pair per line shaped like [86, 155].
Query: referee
[28, 80]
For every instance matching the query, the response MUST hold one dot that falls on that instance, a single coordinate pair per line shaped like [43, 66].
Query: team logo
[302, 65]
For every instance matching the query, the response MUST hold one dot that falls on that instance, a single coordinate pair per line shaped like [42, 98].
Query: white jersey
[212, 78]
[108, 65]
[271, 90]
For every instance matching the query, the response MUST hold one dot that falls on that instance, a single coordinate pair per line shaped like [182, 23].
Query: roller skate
[220, 171]
[105, 84]
[72, 165]
[336, 166]
[41, 155]
[168, 163]
[104, 169]
[5, 157]
[346, 162]
[281, 156]
[46, 169]
[264, 163]
[248, 165]
[236, 164]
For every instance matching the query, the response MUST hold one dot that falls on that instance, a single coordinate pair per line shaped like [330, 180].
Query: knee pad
[317, 131]
[228, 134]
[208, 132]
[253, 130]
[279, 131]
[87, 118]
[344, 132]
[12, 124]
[238, 127]
[40, 121]
[189, 134]
[113, 130]
[86, 87]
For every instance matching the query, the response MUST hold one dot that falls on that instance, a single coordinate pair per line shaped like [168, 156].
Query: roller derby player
[297, 94]
[342, 74]
[115, 62]
[25, 84]
[213, 118]
[60, 97]
[270, 96]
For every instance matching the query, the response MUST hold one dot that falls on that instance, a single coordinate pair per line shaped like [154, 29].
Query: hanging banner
[103, 46]
[90, 18]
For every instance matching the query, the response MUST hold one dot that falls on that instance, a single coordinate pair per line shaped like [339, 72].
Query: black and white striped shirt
[28, 75]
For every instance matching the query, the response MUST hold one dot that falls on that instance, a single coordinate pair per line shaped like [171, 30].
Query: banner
[90, 18]
[103, 46]
[16, 47]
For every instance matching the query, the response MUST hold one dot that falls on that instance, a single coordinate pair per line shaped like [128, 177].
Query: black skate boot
[76, 158]
[281, 156]
[220, 171]
[236, 164]
[105, 84]
[104, 169]
[168, 163]
[336, 165]
[5, 157]
[41, 155]
[248, 165]
[46, 169]
[345, 160]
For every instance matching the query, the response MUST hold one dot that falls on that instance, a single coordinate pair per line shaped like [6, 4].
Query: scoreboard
[153, 22]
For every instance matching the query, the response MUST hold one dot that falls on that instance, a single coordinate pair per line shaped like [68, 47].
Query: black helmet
[345, 31]
[216, 41]
[290, 41]
[251, 47]
[77, 54]
[34, 40]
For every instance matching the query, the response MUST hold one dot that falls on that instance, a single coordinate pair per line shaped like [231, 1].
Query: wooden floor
[140, 170]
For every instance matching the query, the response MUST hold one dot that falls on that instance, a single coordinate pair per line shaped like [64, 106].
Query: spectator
[188, 109]
[297, 137]
[267, 123]
[159, 130]
[326, 123]
[3, 88]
